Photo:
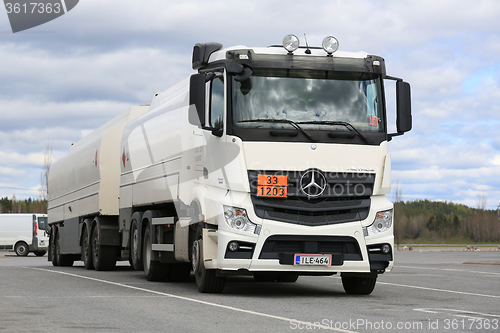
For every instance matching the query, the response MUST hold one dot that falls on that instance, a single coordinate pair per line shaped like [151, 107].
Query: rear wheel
[22, 249]
[134, 247]
[103, 257]
[357, 285]
[206, 279]
[87, 249]
[62, 259]
[40, 253]
[52, 247]
[153, 270]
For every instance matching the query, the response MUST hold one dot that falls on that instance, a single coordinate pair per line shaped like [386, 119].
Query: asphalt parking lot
[429, 291]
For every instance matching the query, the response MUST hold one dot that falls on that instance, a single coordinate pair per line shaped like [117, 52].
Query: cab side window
[217, 103]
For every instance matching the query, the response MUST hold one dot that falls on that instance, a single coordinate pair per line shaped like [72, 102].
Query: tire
[134, 247]
[62, 259]
[52, 248]
[87, 249]
[206, 279]
[356, 285]
[40, 253]
[153, 270]
[103, 257]
[22, 249]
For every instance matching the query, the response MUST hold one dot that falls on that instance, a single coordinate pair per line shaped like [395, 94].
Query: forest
[22, 206]
[424, 221]
[417, 222]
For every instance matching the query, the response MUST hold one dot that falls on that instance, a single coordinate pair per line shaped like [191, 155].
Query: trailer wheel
[153, 270]
[21, 249]
[134, 247]
[103, 257]
[62, 259]
[87, 249]
[206, 279]
[52, 247]
[357, 285]
[40, 253]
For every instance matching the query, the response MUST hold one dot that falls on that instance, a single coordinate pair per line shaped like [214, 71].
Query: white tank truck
[270, 162]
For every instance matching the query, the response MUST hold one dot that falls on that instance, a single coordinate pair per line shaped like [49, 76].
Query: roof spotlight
[290, 43]
[330, 45]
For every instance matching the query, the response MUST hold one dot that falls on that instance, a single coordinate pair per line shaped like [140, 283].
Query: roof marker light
[330, 45]
[290, 43]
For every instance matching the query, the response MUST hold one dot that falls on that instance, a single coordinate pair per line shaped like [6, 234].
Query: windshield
[308, 96]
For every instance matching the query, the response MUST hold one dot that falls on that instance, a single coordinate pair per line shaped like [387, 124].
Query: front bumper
[274, 249]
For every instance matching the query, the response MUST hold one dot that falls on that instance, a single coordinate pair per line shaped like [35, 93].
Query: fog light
[386, 248]
[233, 246]
[290, 43]
[330, 44]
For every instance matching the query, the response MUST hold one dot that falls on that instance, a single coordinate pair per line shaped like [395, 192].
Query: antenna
[307, 45]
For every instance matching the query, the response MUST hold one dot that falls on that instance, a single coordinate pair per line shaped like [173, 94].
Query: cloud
[69, 76]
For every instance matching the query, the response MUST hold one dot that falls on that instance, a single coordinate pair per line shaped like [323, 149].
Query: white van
[24, 233]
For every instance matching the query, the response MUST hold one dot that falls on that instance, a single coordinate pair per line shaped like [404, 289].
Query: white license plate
[313, 260]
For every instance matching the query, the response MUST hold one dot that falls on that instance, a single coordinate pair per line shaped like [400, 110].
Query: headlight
[237, 219]
[382, 223]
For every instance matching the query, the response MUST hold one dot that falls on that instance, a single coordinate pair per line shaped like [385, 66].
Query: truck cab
[295, 159]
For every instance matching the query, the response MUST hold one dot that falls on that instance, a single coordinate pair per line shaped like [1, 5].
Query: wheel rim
[95, 244]
[147, 252]
[85, 245]
[21, 249]
[195, 257]
[135, 250]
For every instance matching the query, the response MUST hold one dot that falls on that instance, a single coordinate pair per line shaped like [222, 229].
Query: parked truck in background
[270, 162]
[24, 233]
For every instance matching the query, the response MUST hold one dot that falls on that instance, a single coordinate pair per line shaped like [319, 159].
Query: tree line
[424, 221]
[14, 206]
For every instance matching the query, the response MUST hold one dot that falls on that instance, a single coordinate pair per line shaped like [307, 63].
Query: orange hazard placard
[272, 186]
[272, 180]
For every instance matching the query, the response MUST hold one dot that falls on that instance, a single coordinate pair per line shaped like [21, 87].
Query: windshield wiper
[343, 123]
[293, 123]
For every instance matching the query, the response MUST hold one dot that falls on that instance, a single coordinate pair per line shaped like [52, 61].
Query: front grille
[284, 247]
[346, 198]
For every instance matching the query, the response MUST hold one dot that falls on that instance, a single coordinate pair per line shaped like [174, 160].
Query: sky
[62, 79]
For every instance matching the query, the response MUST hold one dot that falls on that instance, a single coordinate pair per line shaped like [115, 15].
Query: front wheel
[358, 285]
[22, 249]
[206, 279]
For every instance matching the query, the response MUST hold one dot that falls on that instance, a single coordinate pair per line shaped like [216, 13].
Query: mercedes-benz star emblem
[313, 183]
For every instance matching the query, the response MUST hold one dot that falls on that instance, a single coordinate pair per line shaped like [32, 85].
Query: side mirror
[403, 106]
[197, 100]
